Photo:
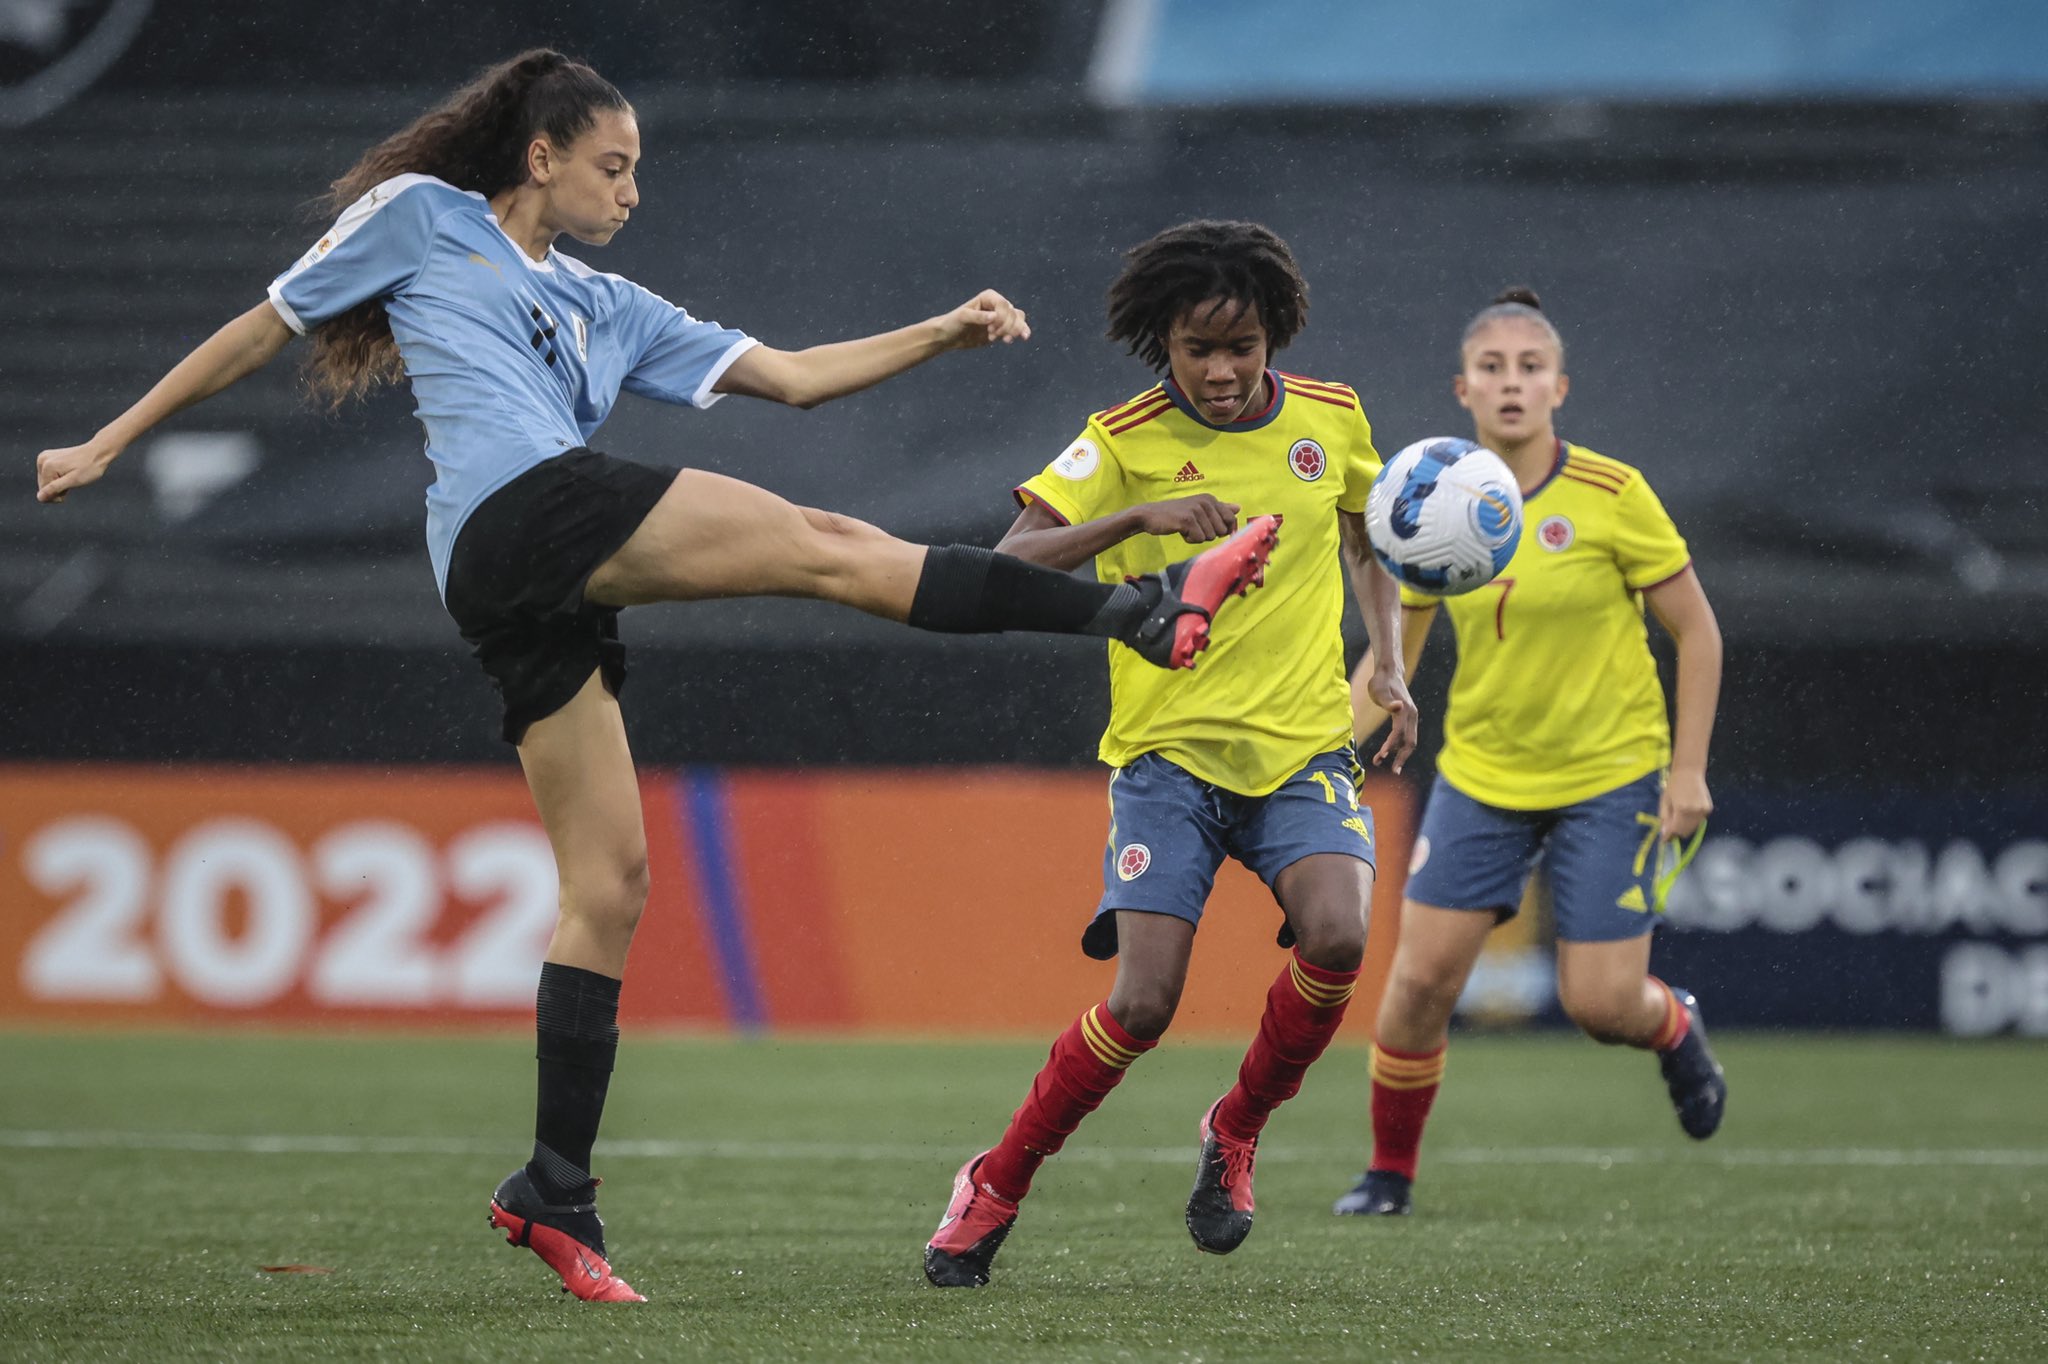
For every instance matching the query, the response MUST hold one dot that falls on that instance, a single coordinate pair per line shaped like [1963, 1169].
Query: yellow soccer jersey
[1270, 692]
[1556, 697]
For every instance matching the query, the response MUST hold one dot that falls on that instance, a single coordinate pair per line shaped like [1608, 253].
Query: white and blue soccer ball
[1445, 516]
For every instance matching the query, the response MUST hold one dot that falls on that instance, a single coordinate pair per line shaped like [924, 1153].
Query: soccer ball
[1444, 516]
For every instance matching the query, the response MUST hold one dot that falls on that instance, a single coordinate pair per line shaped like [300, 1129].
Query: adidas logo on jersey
[1188, 473]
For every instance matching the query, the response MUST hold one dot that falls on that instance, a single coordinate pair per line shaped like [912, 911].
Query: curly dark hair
[476, 139]
[1245, 264]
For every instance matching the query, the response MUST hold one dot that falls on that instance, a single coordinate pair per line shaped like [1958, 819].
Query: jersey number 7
[1500, 610]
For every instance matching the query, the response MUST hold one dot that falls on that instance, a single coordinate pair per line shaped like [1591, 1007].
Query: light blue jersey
[512, 360]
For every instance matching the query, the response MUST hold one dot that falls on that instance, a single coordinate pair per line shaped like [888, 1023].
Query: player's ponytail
[476, 139]
[1517, 301]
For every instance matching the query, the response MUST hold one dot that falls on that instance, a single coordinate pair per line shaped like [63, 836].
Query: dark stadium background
[1814, 316]
[272, 894]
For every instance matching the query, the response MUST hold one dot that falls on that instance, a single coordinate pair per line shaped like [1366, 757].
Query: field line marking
[272, 1144]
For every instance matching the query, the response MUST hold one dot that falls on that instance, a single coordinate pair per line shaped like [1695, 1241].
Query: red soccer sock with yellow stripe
[1404, 1085]
[1086, 1062]
[1303, 1008]
[1677, 1022]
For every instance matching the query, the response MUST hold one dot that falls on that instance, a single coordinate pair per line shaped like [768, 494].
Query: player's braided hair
[1243, 264]
[1517, 301]
[476, 139]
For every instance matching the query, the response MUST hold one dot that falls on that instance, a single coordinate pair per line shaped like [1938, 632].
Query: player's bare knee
[1334, 947]
[1604, 1020]
[1329, 928]
[1428, 986]
[1605, 1033]
[1144, 1011]
[836, 524]
[834, 550]
[837, 538]
[632, 887]
[608, 899]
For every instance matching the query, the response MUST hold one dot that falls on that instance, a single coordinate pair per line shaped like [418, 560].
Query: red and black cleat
[1698, 1087]
[970, 1234]
[1185, 598]
[569, 1237]
[1220, 1208]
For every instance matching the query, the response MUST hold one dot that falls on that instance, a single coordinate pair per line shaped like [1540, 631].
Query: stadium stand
[1803, 319]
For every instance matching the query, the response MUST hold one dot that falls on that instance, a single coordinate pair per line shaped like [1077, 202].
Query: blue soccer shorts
[1169, 831]
[1600, 855]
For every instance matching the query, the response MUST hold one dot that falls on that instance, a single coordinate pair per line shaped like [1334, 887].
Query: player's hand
[1197, 520]
[1390, 693]
[1684, 804]
[986, 318]
[73, 466]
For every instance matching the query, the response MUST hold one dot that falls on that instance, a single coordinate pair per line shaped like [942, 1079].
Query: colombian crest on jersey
[1556, 533]
[1307, 460]
[1132, 861]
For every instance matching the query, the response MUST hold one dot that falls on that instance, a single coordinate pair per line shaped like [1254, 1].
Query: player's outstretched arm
[237, 350]
[1682, 607]
[1042, 538]
[1385, 680]
[805, 378]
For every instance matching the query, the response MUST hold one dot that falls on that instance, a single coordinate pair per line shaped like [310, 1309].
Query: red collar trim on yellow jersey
[1274, 387]
[1556, 468]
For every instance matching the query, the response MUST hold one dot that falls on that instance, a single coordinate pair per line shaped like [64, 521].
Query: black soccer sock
[576, 1019]
[969, 590]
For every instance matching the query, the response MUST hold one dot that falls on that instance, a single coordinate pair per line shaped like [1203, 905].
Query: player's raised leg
[1692, 1077]
[581, 775]
[1604, 881]
[712, 536]
[1606, 988]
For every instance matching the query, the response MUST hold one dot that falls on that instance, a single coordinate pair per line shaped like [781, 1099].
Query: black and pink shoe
[1183, 600]
[1221, 1206]
[569, 1237]
[976, 1222]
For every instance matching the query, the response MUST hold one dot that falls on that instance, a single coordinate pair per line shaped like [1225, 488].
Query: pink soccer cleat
[1189, 593]
[569, 1237]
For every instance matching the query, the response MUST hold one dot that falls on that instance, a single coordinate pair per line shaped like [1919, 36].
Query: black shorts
[518, 570]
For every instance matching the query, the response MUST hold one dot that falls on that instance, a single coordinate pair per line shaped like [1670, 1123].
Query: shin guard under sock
[1404, 1085]
[1677, 1022]
[968, 590]
[1086, 1062]
[576, 1016]
[1303, 1008]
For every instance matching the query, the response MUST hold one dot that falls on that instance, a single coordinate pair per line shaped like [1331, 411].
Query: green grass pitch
[1869, 1199]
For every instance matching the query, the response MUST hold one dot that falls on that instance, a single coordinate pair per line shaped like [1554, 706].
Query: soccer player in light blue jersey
[441, 270]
